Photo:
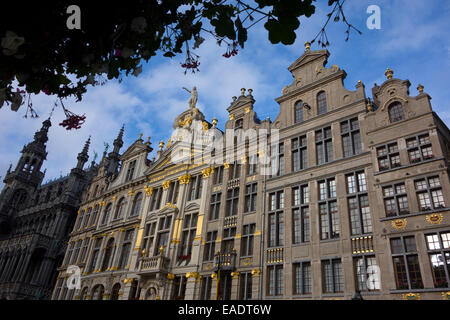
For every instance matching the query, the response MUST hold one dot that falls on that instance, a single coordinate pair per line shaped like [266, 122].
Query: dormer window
[239, 124]
[130, 170]
[396, 112]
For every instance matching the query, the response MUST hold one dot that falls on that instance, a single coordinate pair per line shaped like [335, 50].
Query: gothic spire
[83, 155]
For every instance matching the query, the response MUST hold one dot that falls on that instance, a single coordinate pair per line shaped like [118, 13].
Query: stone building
[347, 199]
[35, 220]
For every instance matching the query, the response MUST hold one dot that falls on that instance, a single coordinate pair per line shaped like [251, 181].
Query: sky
[413, 41]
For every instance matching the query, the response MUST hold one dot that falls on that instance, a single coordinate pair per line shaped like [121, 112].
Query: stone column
[256, 274]
[191, 285]
[235, 285]
[25, 267]
[19, 267]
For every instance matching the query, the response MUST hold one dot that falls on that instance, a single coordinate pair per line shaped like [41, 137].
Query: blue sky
[413, 41]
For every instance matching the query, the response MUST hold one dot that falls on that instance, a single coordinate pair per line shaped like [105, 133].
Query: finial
[214, 121]
[242, 91]
[140, 136]
[234, 98]
[250, 92]
[148, 140]
[161, 145]
[307, 45]
[420, 88]
[389, 73]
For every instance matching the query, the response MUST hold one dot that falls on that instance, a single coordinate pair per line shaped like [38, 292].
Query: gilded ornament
[399, 224]
[435, 218]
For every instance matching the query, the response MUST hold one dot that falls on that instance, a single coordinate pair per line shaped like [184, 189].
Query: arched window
[298, 109]
[97, 292]
[83, 293]
[130, 170]
[115, 291]
[120, 208]
[321, 102]
[107, 213]
[136, 204]
[108, 254]
[396, 112]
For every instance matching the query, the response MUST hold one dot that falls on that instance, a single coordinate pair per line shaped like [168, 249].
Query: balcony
[230, 221]
[231, 184]
[225, 260]
[362, 244]
[153, 265]
[274, 255]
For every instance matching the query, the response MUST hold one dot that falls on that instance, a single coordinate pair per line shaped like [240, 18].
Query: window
[136, 205]
[245, 286]
[79, 221]
[429, 193]
[107, 214]
[275, 279]
[95, 254]
[69, 252]
[251, 192]
[126, 248]
[232, 202]
[149, 236]
[214, 208]
[406, 263]
[321, 103]
[419, 148]
[234, 170]
[395, 200]
[276, 219]
[86, 218]
[328, 212]
[93, 221]
[155, 203]
[299, 153]
[115, 292]
[210, 246]
[74, 258]
[247, 240]
[351, 138]
[298, 110]
[300, 214]
[130, 170]
[388, 157]
[324, 146]
[205, 293]
[218, 175]
[120, 210]
[252, 166]
[179, 288]
[108, 254]
[438, 245]
[163, 235]
[84, 250]
[332, 276]
[228, 240]
[173, 192]
[187, 237]
[277, 160]
[396, 112]
[195, 188]
[358, 203]
[302, 278]
[367, 278]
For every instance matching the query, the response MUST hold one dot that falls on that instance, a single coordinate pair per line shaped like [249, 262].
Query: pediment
[136, 148]
[193, 206]
[307, 57]
[168, 208]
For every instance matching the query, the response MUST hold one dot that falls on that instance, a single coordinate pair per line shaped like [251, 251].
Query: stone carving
[194, 97]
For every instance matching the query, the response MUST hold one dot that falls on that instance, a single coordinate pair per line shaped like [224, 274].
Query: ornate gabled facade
[341, 196]
[36, 219]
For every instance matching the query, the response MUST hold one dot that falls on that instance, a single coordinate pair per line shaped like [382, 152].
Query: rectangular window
[251, 192]
[235, 170]
[95, 254]
[163, 235]
[332, 276]
[247, 240]
[84, 250]
[277, 160]
[419, 148]
[328, 213]
[275, 285]
[155, 203]
[300, 214]
[214, 208]
[276, 219]
[76, 252]
[210, 246]
[252, 166]
[172, 196]
[406, 263]
[148, 238]
[245, 286]
[187, 236]
[195, 188]
[351, 138]
[366, 274]
[388, 156]
[438, 245]
[228, 240]
[205, 293]
[232, 202]
[395, 200]
[218, 175]
[358, 203]
[324, 146]
[299, 153]
[302, 278]
[429, 193]
[130, 170]
[126, 249]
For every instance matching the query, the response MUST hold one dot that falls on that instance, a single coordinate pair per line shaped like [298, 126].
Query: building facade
[35, 220]
[340, 196]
